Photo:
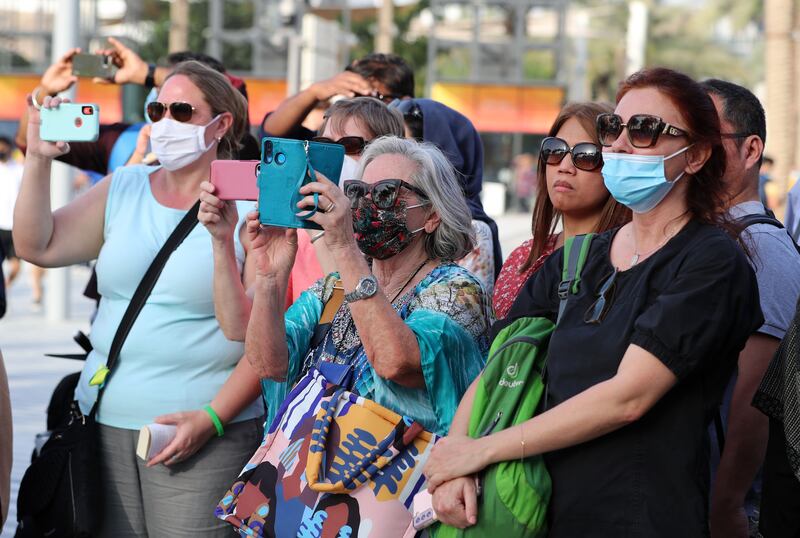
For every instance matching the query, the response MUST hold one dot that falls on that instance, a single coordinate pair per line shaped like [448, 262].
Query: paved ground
[25, 336]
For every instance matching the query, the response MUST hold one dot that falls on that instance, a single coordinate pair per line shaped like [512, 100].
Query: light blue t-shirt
[777, 266]
[175, 357]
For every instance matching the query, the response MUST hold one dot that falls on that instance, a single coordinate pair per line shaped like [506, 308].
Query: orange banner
[265, 96]
[503, 109]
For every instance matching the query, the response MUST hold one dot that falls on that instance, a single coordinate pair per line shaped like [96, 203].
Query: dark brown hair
[706, 192]
[545, 216]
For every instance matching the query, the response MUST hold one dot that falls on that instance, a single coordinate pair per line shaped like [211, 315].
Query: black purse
[60, 492]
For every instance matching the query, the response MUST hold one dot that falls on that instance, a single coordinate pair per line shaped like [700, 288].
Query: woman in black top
[640, 358]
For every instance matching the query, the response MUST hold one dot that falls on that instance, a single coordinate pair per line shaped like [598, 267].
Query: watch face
[369, 286]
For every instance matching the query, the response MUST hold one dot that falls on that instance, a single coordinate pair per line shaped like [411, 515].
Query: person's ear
[432, 222]
[696, 157]
[752, 149]
[224, 123]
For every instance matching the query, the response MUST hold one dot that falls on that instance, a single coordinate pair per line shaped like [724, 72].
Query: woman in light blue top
[413, 326]
[176, 366]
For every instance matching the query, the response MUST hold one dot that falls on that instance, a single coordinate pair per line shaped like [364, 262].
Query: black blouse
[692, 304]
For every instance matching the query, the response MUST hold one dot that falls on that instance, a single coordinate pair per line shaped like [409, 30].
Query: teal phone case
[70, 122]
[287, 165]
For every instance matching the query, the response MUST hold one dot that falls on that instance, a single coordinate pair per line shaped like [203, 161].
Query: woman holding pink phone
[176, 366]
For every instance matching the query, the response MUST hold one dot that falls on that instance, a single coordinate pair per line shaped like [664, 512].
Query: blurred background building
[507, 64]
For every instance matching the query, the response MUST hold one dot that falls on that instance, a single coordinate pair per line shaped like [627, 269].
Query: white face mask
[179, 144]
[349, 169]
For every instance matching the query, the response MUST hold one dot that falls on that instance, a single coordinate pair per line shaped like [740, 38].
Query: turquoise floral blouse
[449, 313]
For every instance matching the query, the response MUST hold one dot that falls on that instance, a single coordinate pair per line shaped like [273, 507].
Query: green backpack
[516, 493]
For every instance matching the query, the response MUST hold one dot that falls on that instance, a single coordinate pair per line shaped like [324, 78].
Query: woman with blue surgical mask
[177, 366]
[646, 344]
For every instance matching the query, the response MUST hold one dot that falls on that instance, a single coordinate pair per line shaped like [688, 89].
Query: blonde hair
[221, 96]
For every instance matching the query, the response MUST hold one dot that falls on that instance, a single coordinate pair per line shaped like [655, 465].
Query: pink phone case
[235, 180]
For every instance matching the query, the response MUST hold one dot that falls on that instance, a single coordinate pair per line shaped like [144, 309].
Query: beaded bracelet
[215, 419]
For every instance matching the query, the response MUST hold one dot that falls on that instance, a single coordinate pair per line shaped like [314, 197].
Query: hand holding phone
[287, 165]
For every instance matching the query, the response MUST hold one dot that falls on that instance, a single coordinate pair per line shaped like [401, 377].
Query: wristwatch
[150, 79]
[366, 288]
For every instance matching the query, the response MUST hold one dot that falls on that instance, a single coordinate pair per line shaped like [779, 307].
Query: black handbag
[60, 492]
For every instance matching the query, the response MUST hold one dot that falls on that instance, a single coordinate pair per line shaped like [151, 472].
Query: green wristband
[215, 419]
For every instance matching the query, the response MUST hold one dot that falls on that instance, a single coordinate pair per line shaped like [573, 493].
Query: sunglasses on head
[387, 98]
[179, 111]
[598, 309]
[585, 156]
[643, 129]
[384, 192]
[353, 145]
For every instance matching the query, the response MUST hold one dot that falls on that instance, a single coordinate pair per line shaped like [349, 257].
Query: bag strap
[146, 285]
[754, 218]
[332, 305]
[576, 250]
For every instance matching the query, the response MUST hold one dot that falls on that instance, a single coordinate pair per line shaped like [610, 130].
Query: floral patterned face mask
[382, 233]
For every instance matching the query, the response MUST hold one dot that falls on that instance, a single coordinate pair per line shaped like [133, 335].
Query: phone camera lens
[87, 111]
[280, 158]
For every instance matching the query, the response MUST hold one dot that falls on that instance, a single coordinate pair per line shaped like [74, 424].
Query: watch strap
[150, 79]
[358, 293]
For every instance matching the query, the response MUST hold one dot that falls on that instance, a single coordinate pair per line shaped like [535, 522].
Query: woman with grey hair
[413, 325]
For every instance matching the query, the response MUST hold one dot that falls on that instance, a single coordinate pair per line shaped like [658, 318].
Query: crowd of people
[688, 288]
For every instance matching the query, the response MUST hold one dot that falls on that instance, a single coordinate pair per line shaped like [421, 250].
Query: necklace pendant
[634, 259]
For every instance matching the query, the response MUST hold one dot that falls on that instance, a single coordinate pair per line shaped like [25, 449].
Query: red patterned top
[510, 280]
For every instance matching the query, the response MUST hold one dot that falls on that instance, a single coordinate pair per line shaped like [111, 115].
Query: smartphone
[284, 169]
[70, 122]
[93, 65]
[235, 180]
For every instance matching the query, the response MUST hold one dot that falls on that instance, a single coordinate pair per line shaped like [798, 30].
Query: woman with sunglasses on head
[413, 325]
[352, 123]
[176, 366]
[570, 190]
[645, 347]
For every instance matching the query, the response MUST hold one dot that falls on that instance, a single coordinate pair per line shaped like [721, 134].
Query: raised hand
[58, 77]
[334, 213]
[275, 248]
[218, 216]
[345, 83]
[36, 146]
[130, 66]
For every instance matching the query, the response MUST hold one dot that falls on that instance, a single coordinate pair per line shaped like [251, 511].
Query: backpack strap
[754, 218]
[576, 250]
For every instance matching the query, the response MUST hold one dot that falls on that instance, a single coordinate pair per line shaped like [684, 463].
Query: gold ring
[330, 207]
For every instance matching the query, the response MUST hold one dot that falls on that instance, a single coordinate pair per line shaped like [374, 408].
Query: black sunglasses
[598, 309]
[179, 111]
[643, 129]
[585, 155]
[384, 192]
[353, 145]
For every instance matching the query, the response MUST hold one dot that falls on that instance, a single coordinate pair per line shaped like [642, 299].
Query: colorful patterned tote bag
[333, 464]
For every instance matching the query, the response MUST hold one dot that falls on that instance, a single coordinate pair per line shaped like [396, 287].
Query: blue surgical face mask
[152, 96]
[638, 181]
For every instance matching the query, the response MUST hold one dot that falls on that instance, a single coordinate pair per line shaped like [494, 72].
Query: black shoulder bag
[60, 493]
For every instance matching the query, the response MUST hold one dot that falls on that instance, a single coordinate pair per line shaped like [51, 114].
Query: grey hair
[454, 238]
